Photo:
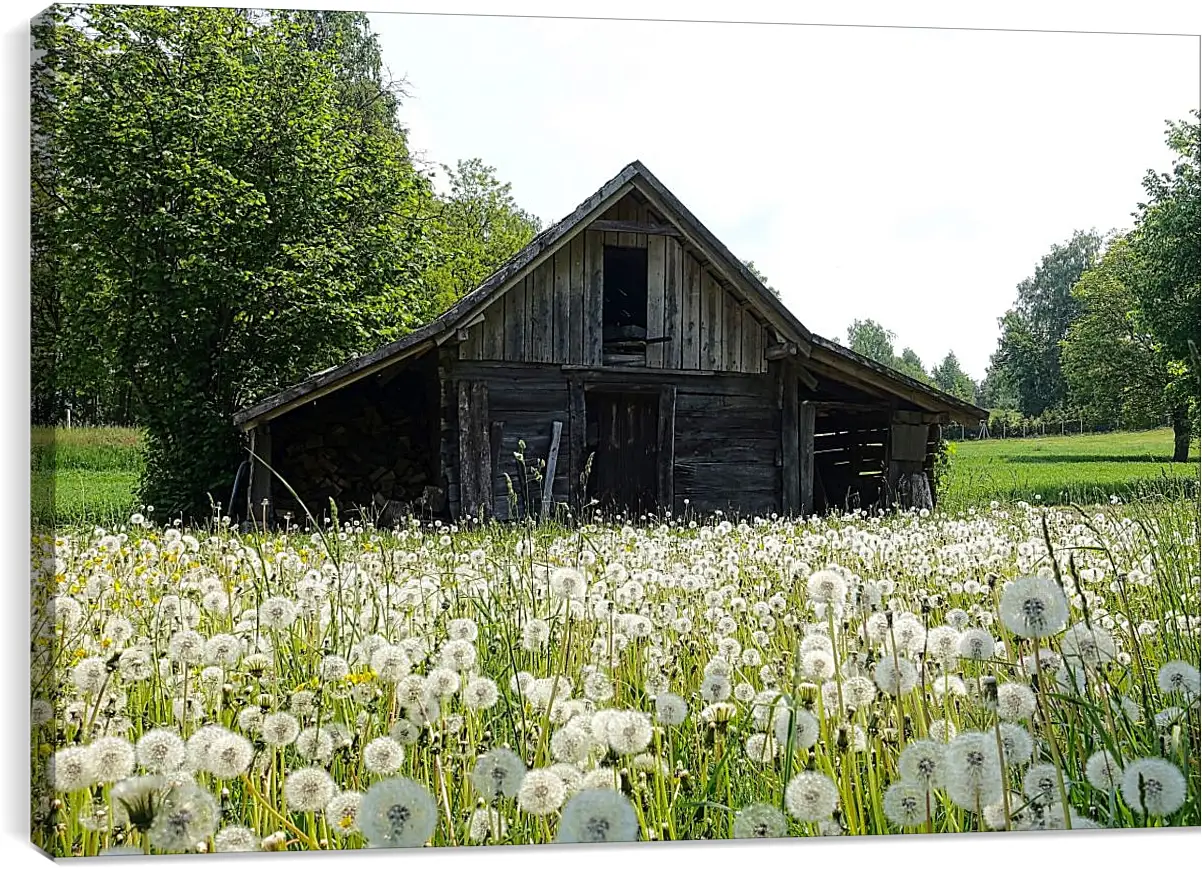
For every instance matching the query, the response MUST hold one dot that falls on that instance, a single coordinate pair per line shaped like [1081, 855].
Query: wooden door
[626, 476]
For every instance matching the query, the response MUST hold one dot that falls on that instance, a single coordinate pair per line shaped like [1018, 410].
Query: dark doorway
[625, 464]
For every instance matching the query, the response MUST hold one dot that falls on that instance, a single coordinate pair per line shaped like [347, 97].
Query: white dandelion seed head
[1017, 745]
[397, 812]
[236, 838]
[760, 821]
[1015, 702]
[342, 811]
[186, 816]
[976, 644]
[279, 729]
[906, 803]
[487, 825]
[895, 677]
[161, 751]
[670, 709]
[89, 675]
[796, 723]
[1041, 784]
[72, 769]
[308, 789]
[541, 792]
[598, 816]
[1153, 786]
[811, 797]
[383, 756]
[628, 732]
[229, 755]
[1103, 771]
[498, 773]
[923, 761]
[1087, 646]
[1179, 678]
[973, 772]
[827, 587]
[1033, 607]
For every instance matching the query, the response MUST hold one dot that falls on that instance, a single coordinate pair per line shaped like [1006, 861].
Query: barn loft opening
[624, 295]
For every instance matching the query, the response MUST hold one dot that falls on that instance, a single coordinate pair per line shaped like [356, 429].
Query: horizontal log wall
[554, 314]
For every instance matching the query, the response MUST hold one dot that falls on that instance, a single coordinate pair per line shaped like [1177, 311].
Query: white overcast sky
[911, 176]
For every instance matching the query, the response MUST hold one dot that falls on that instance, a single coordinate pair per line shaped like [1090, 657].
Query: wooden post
[577, 421]
[259, 492]
[805, 465]
[790, 445]
[667, 448]
[475, 462]
[496, 436]
[549, 474]
[906, 478]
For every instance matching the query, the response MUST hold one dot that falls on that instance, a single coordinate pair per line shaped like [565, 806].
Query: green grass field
[90, 475]
[1069, 468]
[84, 475]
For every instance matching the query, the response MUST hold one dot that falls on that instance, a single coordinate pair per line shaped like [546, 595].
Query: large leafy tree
[868, 338]
[1115, 371]
[222, 217]
[477, 226]
[1028, 352]
[951, 378]
[910, 363]
[1166, 272]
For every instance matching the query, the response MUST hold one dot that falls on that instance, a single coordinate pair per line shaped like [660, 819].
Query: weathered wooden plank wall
[554, 314]
[728, 434]
[523, 401]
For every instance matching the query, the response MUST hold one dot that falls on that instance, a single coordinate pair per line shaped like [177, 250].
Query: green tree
[868, 338]
[1028, 352]
[910, 363]
[996, 391]
[952, 379]
[1115, 371]
[225, 219]
[763, 279]
[477, 227]
[1166, 273]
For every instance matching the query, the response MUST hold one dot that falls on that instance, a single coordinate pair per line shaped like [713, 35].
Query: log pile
[376, 456]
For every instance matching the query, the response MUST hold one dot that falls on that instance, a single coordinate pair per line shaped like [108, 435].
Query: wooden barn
[624, 360]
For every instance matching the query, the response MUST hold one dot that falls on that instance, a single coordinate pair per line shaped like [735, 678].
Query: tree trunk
[1181, 432]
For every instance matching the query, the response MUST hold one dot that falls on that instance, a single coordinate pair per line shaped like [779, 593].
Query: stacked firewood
[366, 460]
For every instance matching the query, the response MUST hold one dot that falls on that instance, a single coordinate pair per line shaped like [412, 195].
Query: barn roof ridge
[634, 175]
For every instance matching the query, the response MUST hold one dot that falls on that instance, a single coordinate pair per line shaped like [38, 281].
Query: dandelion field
[1006, 668]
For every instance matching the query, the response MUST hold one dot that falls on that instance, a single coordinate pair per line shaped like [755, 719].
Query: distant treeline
[1104, 334]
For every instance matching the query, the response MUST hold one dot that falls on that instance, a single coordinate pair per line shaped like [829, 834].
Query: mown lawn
[84, 474]
[1060, 469]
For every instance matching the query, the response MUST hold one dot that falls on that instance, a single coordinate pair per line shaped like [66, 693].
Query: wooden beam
[789, 444]
[495, 441]
[882, 379]
[549, 473]
[607, 226]
[780, 350]
[805, 471]
[667, 448]
[577, 421]
[475, 461]
[260, 488]
[323, 384]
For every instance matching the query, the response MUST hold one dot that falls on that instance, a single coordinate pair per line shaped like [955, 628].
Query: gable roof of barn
[634, 176]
